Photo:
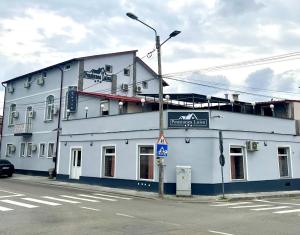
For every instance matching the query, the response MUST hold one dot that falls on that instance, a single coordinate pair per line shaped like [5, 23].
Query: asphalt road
[31, 208]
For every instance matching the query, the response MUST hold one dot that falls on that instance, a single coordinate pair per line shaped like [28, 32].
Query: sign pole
[222, 161]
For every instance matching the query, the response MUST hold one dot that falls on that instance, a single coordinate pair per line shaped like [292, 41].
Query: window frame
[289, 161]
[138, 146]
[49, 149]
[11, 116]
[108, 68]
[103, 155]
[126, 72]
[8, 154]
[244, 155]
[47, 106]
[25, 150]
[45, 150]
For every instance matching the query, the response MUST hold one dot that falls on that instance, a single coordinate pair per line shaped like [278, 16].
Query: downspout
[59, 120]
[2, 116]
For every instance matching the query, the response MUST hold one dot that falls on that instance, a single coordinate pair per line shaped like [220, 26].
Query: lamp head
[131, 15]
[174, 33]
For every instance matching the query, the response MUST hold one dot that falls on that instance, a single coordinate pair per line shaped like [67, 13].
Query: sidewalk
[151, 195]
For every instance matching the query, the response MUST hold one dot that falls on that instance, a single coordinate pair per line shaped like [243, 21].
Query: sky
[35, 34]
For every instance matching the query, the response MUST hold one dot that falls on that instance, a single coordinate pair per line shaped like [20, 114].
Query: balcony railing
[23, 129]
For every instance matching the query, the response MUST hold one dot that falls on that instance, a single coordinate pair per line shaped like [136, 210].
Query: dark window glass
[79, 158]
[109, 166]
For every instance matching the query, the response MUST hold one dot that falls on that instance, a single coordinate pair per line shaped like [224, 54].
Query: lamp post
[161, 132]
[86, 111]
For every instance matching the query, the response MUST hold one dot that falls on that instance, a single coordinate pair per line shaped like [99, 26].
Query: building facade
[95, 120]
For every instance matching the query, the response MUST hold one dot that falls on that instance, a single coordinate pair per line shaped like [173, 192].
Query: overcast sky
[35, 34]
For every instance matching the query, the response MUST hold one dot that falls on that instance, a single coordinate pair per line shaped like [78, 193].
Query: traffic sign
[162, 140]
[161, 150]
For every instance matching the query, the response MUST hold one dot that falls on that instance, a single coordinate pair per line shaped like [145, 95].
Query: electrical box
[183, 180]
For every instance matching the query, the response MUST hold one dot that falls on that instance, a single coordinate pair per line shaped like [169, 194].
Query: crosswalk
[7, 205]
[261, 205]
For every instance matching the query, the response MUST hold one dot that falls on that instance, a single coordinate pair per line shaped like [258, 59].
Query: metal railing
[23, 128]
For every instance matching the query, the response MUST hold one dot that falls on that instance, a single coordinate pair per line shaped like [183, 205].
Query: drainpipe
[59, 119]
[2, 116]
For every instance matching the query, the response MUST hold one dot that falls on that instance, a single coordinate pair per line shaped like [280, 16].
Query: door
[75, 164]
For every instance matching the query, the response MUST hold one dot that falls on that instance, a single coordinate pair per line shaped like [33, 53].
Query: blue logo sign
[161, 150]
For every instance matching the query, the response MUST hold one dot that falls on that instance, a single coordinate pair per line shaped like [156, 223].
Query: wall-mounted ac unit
[31, 114]
[55, 110]
[10, 89]
[138, 89]
[27, 84]
[252, 145]
[34, 148]
[15, 114]
[12, 148]
[40, 81]
[124, 87]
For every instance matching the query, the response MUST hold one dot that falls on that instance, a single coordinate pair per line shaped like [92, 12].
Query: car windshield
[4, 162]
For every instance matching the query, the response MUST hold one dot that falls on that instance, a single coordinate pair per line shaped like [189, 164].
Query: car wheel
[10, 174]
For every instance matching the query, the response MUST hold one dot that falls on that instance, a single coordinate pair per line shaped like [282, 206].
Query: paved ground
[32, 208]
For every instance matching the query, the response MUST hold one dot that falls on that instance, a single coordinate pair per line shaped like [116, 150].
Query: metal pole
[222, 161]
[161, 107]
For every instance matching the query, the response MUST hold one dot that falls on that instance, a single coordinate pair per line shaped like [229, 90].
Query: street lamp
[161, 132]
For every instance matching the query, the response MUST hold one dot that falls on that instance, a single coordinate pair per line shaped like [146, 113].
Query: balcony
[23, 129]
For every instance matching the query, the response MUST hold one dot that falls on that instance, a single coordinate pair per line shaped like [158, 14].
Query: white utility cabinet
[183, 180]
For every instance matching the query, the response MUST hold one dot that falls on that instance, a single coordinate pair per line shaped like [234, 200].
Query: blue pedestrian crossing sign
[162, 147]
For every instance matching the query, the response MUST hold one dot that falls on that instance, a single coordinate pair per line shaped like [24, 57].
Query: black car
[6, 168]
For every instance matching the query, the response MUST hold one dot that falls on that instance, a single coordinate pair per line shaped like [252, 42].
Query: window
[12, 110]
[108, 68]
[42, 152]
[104, 108]
[146, 158]
[109, 158]
[23, 150]
[29, 149]
[49, 107]
[145, 85]
[10, 149]
[284, 161]
[237, 163]
[44, 74]
[127, 72]
[51, 150]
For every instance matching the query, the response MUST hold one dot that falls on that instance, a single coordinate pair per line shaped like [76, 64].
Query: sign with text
[99, 75]
[188, 120]
[72, 97]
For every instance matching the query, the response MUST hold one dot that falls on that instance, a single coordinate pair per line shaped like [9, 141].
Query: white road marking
[5, 209]
[14, 194]
[61, 200]
[280, 203]
[270, 208]
[217, 232]
[42, 201]
[118, 197]
[286, 212]
[79, 198]
[88, 208]
[102, 198]
[19, 203]
[252, 206]
[232, 204]
[129, 216]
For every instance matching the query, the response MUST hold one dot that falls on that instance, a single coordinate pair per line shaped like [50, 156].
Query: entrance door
[75, 164]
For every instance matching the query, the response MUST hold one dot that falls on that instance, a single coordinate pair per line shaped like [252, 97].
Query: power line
[225, 89]
[261, 61]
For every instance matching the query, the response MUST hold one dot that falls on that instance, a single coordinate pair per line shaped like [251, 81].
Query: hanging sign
[188, 120]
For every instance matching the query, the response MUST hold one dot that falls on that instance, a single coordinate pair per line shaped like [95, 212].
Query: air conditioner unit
[15, 114]
[124, 87]
[138, 89]
[27, 84]
[12, 148]
[55, 110]
[252, 145]
[34, 148]
[10, 89]
[31, 114]
[40, 81]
